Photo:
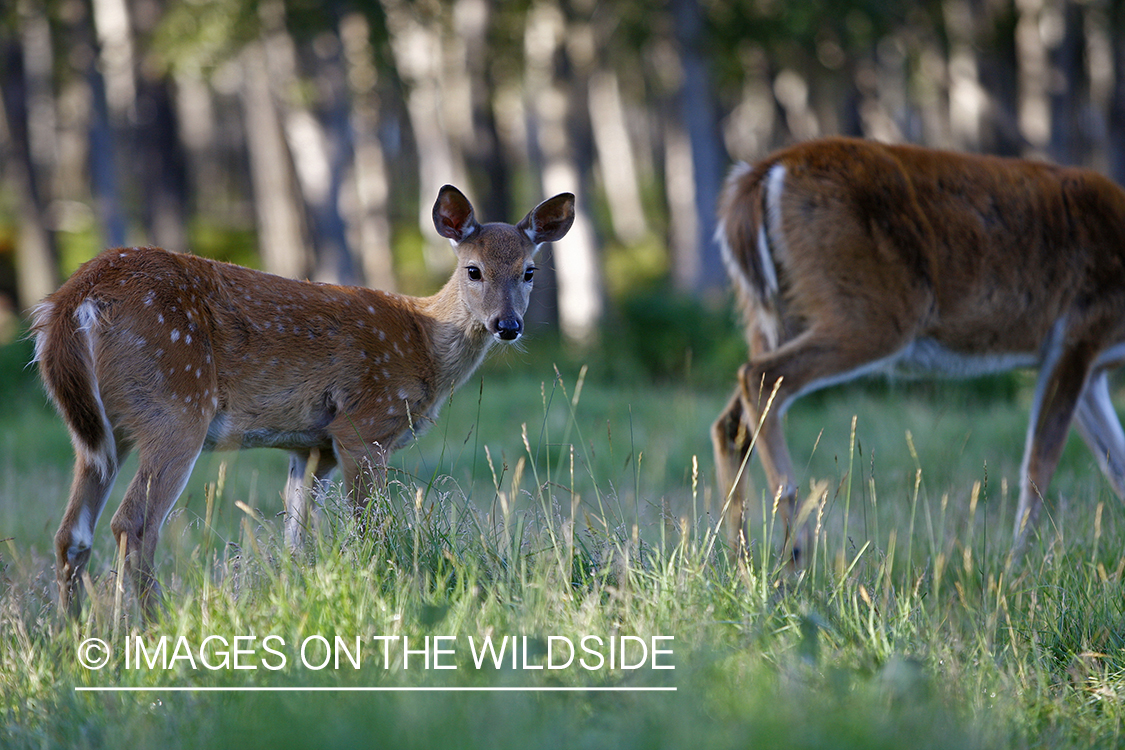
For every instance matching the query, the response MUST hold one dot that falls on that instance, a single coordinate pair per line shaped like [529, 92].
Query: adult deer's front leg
[1062, 381]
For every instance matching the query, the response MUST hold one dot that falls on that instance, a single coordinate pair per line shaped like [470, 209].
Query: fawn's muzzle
[508, 329]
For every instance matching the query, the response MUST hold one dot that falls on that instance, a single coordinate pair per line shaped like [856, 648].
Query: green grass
[540, 506]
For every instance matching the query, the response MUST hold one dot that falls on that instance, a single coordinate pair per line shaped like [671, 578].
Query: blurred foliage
[19, 382]
[664, 336]
[228, 243]
[198, 37]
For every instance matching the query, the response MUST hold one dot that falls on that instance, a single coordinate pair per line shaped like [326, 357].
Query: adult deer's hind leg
[93, 482]
[165, 465]
[730, 440]
[820, 356]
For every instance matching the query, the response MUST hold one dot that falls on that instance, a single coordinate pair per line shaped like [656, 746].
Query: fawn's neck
[458, 341]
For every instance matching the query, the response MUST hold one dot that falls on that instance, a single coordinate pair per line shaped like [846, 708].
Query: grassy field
[551, 507]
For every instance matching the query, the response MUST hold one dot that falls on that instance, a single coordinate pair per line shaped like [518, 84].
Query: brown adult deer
[851, 257]
[175, 354]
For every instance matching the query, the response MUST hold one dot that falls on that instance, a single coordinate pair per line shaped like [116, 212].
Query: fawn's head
[496, 262]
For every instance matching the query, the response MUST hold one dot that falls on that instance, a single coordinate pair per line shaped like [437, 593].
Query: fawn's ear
[550, 220]
[453, 215]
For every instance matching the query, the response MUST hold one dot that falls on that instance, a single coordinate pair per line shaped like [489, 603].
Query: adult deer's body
[176, 354]
[852, 257]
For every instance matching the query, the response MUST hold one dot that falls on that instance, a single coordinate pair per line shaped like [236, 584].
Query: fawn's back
[262, 361]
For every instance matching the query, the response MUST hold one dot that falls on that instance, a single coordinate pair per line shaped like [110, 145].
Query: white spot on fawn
[175, 335]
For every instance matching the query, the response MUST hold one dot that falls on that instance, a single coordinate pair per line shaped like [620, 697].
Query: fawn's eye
[474, 273]
[529, 274]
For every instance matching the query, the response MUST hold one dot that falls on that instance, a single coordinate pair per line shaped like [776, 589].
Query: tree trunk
[1115, 139]
[679, 190]
[114, 92]
[370, 221]
[995, 37]
[615, 157]
[480, 142]
[1031, 52]
[104, 182]
[29, 104]
[321, 151]
[703, 272]
[162, 171]
[577, 266]
[1069, 143]
[966, 97]
[280, 230]
[418, 44]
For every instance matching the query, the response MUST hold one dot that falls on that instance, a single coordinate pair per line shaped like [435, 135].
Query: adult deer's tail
[750, 236]
[65, 327]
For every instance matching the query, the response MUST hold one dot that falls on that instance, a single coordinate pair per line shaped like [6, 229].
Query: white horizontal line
[284, 689]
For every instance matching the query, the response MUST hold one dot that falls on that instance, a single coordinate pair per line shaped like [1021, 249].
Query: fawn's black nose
[508, 329]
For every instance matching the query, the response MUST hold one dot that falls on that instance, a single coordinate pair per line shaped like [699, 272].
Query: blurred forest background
[310, 138]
